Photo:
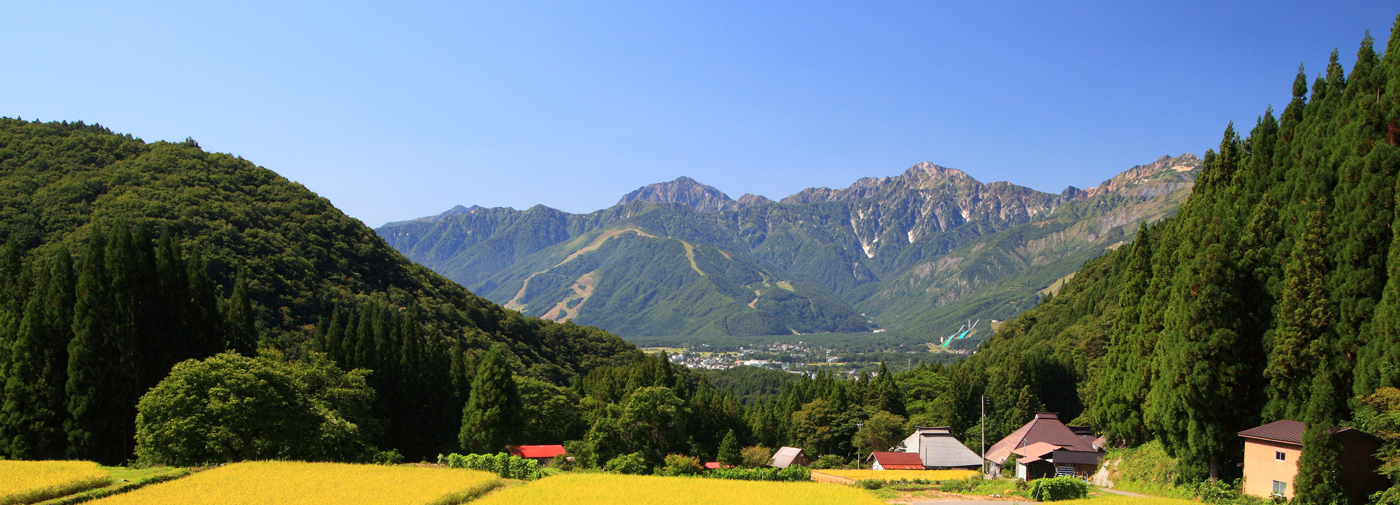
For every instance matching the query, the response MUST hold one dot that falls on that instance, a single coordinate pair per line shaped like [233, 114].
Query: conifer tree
[242, 337]
[729, 453]
[97, 428]
[489, 420]
[1318, 481]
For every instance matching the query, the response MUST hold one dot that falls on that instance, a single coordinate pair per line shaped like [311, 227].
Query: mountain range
[917, 254]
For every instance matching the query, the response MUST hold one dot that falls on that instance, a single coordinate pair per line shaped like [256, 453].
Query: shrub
[389, 457]
[505, 465]
[828, 461]
[960, 485]
[1059, 488]
[679, 465]
[757, 456]
[627, 463]
[870, 483]
[795, 473]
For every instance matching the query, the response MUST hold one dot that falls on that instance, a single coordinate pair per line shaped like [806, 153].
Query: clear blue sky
[395, 111]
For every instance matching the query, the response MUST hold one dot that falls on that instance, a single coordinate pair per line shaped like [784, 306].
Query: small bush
[627, 463]
[505, 465]
[681, 465]
[828, 461]
[871, 483]
[1059, 488]
[1021, 485]
[960, 485]
[389, 457]
[756, 456]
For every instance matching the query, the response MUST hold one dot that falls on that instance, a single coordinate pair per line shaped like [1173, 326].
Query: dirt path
[1122, 493]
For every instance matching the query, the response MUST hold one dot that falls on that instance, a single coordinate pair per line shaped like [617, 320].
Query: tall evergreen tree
[1319, 477]
[242, 336]
[97, 429]
[489, 420]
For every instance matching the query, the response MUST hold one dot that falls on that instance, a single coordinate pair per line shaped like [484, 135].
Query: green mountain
[267, 260]
[682, 258]
[1273, 293]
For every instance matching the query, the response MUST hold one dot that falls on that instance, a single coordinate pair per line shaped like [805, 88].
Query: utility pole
[984, 435]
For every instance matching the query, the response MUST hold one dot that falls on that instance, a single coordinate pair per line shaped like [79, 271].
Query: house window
[1278, 456]
[1280, 488]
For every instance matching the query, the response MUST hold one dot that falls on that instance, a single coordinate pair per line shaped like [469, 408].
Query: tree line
[81, 340]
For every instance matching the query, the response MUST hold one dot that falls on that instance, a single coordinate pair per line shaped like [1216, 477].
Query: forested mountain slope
[264, 259]
[1274, 293]
[891, 248]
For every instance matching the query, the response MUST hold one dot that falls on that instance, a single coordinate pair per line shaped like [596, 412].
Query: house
[1046, 447]
[714, 465]
[896, 461]
[1271, 460]
[541, 453]
[788, 456]
[939, 450]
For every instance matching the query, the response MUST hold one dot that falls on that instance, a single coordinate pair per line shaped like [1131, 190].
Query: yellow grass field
[609, 489]
[36, 481]
[899, 474]
[293, 483]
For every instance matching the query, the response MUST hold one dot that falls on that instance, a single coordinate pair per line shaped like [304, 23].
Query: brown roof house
[788, 456]
[896, 461]
[1045, 447]
[1271, 460]
[939, 450]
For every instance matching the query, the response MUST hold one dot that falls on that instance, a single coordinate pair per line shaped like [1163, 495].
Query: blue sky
[395, 111]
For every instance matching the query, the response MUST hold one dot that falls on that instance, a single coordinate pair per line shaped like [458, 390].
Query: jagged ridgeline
[918, 254]
[1274, 293]
[125, 257]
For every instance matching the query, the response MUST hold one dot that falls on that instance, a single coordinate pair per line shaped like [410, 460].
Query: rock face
[912, 252]
[685, 191]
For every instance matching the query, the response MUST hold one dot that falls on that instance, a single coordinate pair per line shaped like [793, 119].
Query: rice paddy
[888, 475]
[36, 481]
[294, 483]
[602, 488]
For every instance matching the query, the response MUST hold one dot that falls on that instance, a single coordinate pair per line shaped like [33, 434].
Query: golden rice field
[609, 489]
[36, 481]
[901, 474]
[295, 483]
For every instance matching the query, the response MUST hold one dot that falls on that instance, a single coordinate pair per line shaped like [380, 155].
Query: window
[1280, 488]
[1278, 456]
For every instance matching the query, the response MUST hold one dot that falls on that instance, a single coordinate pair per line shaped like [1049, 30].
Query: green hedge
[505, 465]
[792, 473]
[1059, 488]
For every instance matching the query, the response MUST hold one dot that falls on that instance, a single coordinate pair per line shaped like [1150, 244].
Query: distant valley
[915, 255]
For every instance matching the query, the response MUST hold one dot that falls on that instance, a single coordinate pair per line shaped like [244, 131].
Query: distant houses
[1271, 460]
[1045, 447]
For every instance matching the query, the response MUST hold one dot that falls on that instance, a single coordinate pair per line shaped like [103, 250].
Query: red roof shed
[897, 461]
[537, 451]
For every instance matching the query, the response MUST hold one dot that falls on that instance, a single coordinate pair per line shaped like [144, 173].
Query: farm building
[1046, 447]
[895, 461]
[540, 453]
[788, 456]
[939, 450]
[1271, 460]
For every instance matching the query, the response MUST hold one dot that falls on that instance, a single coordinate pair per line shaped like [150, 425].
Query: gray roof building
[939, 449]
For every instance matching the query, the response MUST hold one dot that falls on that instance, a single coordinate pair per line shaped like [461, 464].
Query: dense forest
[1274, 293]
[125, 257]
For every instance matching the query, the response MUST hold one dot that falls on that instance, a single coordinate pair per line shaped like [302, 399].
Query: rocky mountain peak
[1165, 174]
[685, 190]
